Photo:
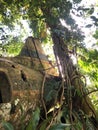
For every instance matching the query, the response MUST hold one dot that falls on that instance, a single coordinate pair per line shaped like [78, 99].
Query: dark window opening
[23, 76]
[1, 98]
[63, 120]
[13, 66]
[5, 88]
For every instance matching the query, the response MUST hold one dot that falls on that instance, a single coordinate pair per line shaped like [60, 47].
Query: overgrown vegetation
[72, 107]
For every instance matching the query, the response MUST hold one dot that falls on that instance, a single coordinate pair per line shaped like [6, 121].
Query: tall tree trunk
[77, 98]
[74, 87]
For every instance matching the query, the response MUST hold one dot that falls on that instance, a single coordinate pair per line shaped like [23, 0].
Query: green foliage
[96, 34]
[78, 125]
[7, 126]
[38, 12]
[46, 15]
[89, 125]
[45, 123]
[89, 66]
[12, 49]
[60, 126]
[51, 92]
[32, 125]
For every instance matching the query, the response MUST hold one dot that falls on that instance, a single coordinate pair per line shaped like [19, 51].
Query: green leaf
[59, 126]
[34, 120]
[7, 126]
[44, 123]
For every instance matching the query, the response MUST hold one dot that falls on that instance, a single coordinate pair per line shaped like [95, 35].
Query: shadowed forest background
[54, 89]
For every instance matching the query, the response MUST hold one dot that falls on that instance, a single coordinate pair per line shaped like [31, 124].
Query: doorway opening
[5, 88]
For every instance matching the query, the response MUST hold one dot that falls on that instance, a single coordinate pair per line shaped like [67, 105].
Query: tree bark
[73, 84]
